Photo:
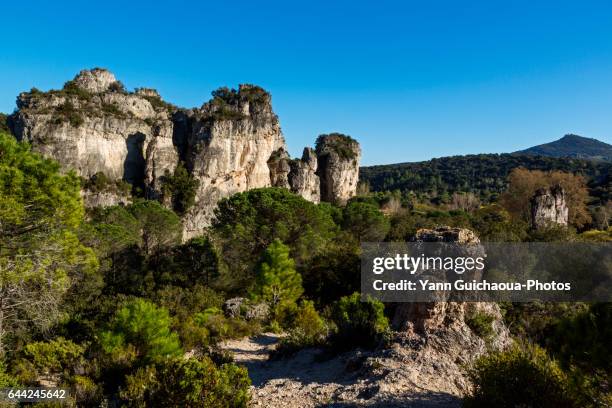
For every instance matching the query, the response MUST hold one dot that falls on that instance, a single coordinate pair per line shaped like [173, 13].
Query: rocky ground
[401, 376]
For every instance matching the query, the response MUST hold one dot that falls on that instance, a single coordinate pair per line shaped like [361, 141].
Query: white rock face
[98, 131]
[229, 149]
[338, 167]
[303, 177]
[231, 144]
[95, 81]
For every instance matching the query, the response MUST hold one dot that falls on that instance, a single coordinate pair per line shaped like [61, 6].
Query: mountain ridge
[573, 146]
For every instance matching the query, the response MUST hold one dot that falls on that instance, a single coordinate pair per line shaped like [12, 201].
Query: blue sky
[410, 80]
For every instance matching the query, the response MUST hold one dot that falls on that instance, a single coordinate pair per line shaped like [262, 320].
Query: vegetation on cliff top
[343, 145]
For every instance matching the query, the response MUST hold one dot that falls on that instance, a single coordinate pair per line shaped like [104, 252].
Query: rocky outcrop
[92, 126]
[338, 167]
[549, 208]
[96, 80]
[233, 136]
[279, 168]
[440, 318]
[303, 176]
[230, 144]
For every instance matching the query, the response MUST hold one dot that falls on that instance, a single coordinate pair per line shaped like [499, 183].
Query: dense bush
[190, 383]
[4, 127]
[365, 222]
[246, 223]
[521, 376]
[140, 332]
[181, 188]
[358, 323]
[306, 328]
[481, 324]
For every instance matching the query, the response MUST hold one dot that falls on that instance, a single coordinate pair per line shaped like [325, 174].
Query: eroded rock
[303, 176]
[338, 167]
[549, 208]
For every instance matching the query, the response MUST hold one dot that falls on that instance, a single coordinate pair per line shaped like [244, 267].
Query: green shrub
[6, 380]
[481, 324]
[66, 112]
[4, 127]
[70, 89]
[53, 356]
[358, 323]
[181, 187]
[188, 383]
[113, 110]
[307, 329]
[117, 86]
[522, 376]
[140, 331]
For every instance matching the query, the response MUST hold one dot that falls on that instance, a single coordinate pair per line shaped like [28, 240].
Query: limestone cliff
[94, 126]
[231, 141]
[338, 167]
[230, 144]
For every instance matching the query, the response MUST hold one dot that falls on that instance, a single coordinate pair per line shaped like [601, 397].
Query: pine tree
[277, 280]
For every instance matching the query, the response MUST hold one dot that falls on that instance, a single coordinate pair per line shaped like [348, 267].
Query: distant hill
[573, 146]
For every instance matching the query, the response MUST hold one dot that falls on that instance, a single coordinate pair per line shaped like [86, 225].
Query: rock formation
[439, 332]
[230, 144]
[548, 208]
[232, 139]
[303, 177]
[338, 156]
[93, 126]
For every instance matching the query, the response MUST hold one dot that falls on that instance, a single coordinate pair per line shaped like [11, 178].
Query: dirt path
[305, 380]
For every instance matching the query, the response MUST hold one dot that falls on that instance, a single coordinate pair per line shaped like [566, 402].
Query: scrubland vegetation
[109, 302]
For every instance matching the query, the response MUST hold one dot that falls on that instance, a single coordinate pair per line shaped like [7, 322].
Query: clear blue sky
[410, 80]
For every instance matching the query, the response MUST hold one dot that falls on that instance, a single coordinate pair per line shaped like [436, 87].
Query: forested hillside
[485, 175]
[572, 146]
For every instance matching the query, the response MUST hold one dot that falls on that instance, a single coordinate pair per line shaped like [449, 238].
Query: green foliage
[40, 212]
[158, 226]
[277, 281]
[188, 383]
[573, 146]
[585, 339]
[117, 86]
[67, 112]
[225, 104]
[365, 222]
[70, 89]
[195, 262]
[112, 109]
[481, 324]
[54, 356]
[100, 182]
[359, 323]
[6, 380]
[485, 175]
[181, 187]
[246, 223]
[4, 127]
[140, 332]
[343, 145]
[521, 376]
[306, 329]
